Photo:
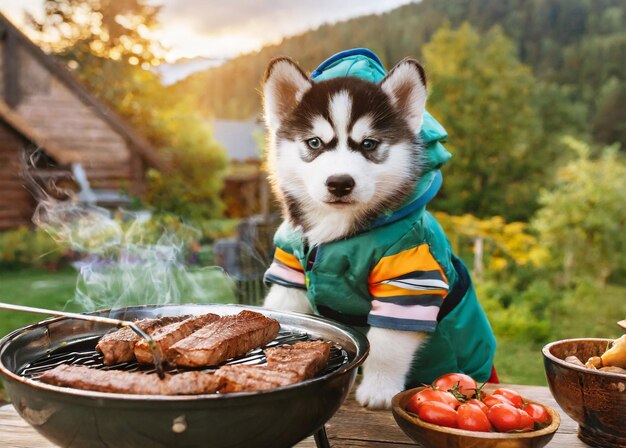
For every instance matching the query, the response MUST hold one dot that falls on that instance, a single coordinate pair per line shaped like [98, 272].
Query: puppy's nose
[340, 185]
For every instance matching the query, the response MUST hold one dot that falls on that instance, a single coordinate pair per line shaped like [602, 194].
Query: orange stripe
[386, 290]
[416, 259]
[287, 259]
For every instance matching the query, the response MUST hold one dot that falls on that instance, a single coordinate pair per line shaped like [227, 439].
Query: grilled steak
[223, 339]
[168, 335]
[239, 378]
[302, 358]
[116, 381]
[118, 346]
[286, 365]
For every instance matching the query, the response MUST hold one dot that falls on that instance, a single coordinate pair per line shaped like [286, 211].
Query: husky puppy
[343, 152]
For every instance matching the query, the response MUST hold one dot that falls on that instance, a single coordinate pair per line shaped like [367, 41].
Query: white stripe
[323, 129]
[423, 282]
[340, 111]
[362, 129]
[417, 285]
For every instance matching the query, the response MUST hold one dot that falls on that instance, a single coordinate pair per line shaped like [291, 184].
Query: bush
[24, 247]
[519, 314]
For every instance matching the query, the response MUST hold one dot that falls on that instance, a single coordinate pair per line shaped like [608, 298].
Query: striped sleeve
[407, 290]
[285, 270]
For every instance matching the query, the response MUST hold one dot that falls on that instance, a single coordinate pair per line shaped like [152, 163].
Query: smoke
[126, 258]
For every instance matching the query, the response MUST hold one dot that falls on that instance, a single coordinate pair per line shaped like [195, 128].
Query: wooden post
[11, 69]
[478, 257]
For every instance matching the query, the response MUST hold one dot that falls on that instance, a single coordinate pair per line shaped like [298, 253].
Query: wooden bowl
[435, 436]
[596, 400]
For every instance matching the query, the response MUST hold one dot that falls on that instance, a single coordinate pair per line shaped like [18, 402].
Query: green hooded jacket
[400, 273]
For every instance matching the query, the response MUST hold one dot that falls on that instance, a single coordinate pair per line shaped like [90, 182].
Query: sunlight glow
[185, 43]
[215, 30]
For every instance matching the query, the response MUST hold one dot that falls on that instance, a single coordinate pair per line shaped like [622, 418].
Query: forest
[576, 50]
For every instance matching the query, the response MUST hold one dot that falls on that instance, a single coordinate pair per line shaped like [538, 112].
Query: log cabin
[44, 109]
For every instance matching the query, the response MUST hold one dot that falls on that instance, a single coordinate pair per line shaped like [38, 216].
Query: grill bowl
[77, 418]
[596, 400]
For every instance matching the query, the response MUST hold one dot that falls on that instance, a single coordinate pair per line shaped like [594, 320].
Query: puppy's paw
[386, 368]
[376, 392]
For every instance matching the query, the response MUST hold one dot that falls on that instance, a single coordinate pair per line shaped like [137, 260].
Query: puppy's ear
[406, 86]
[284, 85]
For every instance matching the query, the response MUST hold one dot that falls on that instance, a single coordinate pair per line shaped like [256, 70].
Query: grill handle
[158, 363]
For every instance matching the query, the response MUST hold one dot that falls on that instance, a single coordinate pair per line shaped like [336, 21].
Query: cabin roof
[138, 142]
[21, 126]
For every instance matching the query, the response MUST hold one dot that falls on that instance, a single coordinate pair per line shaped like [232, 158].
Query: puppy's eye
[368, 144]
[314, 143]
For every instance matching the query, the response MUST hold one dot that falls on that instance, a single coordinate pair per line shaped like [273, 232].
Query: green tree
[582, 219]
[483, 95]
[609, 125]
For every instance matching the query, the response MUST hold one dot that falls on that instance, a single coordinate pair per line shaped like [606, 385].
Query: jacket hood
[363, 63]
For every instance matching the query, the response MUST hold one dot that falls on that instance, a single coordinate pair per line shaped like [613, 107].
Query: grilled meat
[118, 346]
[286, 365]
[168, 335]
[302, 358]
[116, 381]
[192, 342]
[223, 339]
[238, 378]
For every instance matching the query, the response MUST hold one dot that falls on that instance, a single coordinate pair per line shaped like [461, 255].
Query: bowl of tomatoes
[455, 412]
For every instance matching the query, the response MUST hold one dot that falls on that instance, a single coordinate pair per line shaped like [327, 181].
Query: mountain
[176, 71]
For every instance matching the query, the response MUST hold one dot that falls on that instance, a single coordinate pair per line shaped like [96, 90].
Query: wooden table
[352, 427]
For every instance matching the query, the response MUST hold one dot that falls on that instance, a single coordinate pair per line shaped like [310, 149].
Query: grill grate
[83, 352]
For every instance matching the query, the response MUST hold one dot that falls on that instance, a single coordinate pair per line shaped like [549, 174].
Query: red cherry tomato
[526, 422]
[496, 399]
[537, 412]
[505, 417]
[431, 395]
[466, 384]
[438, 413]
[480, 404]
[472, 418]
[511, 395]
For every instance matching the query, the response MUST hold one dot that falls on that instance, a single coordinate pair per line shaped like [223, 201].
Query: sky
[226, 28]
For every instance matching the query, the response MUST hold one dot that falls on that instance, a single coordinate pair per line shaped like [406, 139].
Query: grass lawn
[50, 290]
[55, 290]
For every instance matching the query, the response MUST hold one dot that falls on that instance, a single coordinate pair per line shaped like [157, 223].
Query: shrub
[24, 247]
[522, 314]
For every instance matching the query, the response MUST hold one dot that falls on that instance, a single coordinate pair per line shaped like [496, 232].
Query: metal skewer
[158, 363]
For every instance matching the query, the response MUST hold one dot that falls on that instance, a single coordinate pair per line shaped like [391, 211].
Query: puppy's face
[345, 146]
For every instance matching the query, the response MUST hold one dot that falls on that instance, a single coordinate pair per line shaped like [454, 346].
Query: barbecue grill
[274, 418]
